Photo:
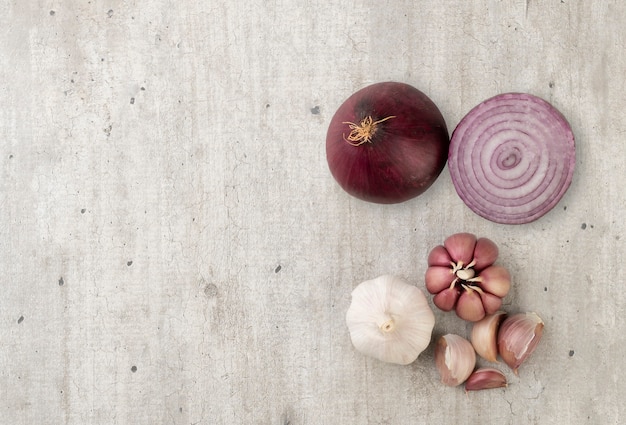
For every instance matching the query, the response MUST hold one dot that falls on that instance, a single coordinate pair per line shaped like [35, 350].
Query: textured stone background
[174, 249]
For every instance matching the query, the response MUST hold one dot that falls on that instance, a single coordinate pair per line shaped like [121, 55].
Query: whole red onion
[463, 278]
[387, 143]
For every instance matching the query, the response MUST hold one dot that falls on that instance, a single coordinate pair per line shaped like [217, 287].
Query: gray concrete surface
[174, 249]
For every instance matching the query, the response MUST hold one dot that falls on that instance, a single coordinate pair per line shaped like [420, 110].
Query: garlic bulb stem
[389, 325]
[465, 274]
[456, 266]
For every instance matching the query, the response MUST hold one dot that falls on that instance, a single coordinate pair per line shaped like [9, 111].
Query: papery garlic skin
[485, 379]
[455, 359]
[462, 276]
[484, 336]
[518, 337]
[390, 320]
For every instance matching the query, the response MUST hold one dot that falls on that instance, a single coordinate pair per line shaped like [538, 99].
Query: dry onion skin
[512, 158]
[387, 143]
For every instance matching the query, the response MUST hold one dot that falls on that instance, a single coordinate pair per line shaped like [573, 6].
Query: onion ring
[512, 158]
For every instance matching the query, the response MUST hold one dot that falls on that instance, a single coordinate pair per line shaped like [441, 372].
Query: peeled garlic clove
[446, 299]
[469, 306]
[439, 256]
[495, 280]
[390, 320]
[485, 379]
[518, 337]
[460, 247]
[455, 359]
[485, 253]
[484, 336]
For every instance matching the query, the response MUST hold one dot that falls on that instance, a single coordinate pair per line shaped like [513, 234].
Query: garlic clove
[455, 359]
[484, 336]
[439, 256]
[438, 278]
[446, 299]
[460, 246]
[469, 306]
[484, 379]
[518, 337]
[495, 280]
[485, 253]
[491, 303]
[390, 320]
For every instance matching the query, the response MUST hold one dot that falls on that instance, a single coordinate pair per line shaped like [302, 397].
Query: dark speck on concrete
[565, 207]
[551, 84]
[132, 100]
[133, 369]
[583, 226]
[11, 156]
[52, 12]
[210, 290]
[315, 110]
[129, 263]
[267, 105]
[61, 281]
[110, 13]
[83, 210]
[20, 320]
[571, 353]
[545, 289]
[143, 89]
[278, 268]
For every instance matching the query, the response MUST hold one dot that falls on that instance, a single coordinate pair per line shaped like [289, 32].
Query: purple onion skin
[406, 153]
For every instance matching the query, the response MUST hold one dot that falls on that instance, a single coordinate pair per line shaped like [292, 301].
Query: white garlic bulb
[390, 320]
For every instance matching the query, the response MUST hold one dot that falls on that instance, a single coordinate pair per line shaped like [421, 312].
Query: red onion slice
[512, 158]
